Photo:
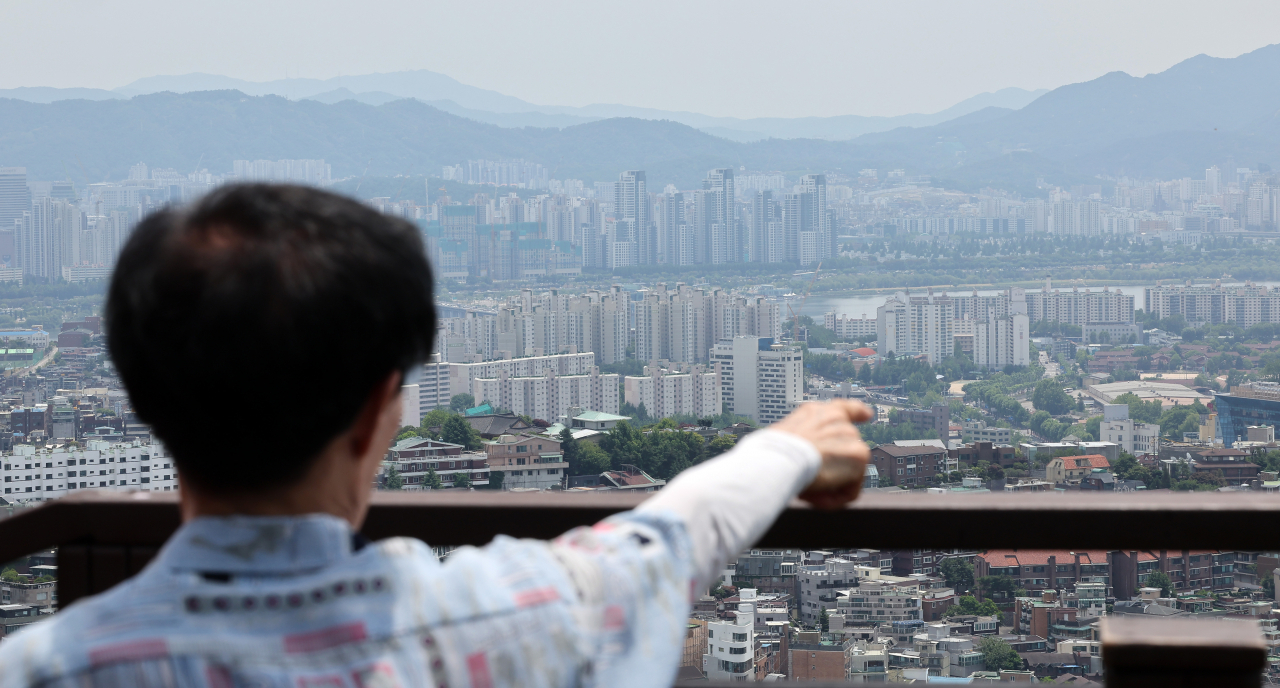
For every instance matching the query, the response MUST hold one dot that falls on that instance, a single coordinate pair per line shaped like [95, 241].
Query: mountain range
[491, 107]
[1200, 112]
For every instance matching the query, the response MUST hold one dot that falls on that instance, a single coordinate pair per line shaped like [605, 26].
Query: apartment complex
[34, 475]
[666, 392]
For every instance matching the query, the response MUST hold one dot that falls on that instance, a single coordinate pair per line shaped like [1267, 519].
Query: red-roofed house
[1061, 469]
[1044, 569]
[865, 352]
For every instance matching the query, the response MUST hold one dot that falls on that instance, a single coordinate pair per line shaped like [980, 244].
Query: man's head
[251, 328]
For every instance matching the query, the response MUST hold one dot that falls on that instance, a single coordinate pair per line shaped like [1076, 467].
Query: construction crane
[795, 317]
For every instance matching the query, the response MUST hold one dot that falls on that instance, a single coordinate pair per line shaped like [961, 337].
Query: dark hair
[251, 328]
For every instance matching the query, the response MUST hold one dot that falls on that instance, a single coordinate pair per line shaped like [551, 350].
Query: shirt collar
[258, 544]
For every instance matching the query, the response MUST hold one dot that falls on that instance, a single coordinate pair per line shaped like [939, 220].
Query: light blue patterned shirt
[296, 602]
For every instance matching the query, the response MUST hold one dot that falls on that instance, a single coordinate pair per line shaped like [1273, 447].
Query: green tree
[594, 459]
[394, 480]
[461, 402]
[571, 451]
[719, 445]
[990, 585]
[1269, 587]
[462, 480]
[1048, 396]
[957, 573]
[495, 480]
[406, 432]
[432, 480]
[998, 655]
[1139, 410]
[458, 431]
[969, 605]
[10, 575]
[433, 422]
[1159, 579]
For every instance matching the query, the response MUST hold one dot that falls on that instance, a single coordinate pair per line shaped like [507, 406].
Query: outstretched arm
[727, 503]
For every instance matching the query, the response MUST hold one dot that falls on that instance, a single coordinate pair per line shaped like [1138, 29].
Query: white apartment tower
[909, 325]
[631, 213]
[1002, 339]
[816, 186]
[726, 245]
[758, 378]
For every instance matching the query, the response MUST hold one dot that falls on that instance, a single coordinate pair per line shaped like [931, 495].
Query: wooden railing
[102, 538]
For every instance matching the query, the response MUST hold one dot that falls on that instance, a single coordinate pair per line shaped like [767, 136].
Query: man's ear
[382, 400]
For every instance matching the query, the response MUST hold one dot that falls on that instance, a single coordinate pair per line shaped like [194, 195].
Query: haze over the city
[738, 59]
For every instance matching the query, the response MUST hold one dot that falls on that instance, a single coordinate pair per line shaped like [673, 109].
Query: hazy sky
[744, 59]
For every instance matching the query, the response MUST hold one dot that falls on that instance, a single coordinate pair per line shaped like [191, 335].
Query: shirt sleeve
[633, 575]
[727, 503]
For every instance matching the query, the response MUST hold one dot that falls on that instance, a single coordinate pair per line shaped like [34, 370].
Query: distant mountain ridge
[1201, 112]
[483, 105]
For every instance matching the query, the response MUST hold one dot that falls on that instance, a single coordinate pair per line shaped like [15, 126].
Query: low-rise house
[629, 478]
[527, 461]
[416, 458]
[970, 454]
[1062, 469]
[908, 465]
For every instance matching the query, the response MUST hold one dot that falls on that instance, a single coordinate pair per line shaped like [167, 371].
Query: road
[19, 372]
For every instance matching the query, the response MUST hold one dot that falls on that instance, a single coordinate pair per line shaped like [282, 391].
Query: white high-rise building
[1003, 338]
[667, 393]
[1213, 181]
[759, 378]
[816, 186]
[631, 213]
[909, 325]
[726, 244]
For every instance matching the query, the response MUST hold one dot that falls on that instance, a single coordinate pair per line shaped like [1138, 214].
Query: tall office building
[765, 239]
[726, 245]
[1213, 181]
[15, 196]
[759, 378]
[816, 186]
[800, 241]
[631, 213]
[668, 218]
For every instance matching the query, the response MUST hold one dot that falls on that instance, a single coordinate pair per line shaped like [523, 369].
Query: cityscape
[1016, 324]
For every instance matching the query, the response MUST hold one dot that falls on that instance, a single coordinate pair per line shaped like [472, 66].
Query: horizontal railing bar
[1169, 521]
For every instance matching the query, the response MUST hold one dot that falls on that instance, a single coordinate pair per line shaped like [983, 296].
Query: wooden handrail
[884, 521]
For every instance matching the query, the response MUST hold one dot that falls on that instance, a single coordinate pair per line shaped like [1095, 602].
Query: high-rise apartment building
[1215, 304]
[1213, 181]
[759, 378]
[1002, 334]
[668, 223]
[664, 393]
[909, 325]
[724, 240]
[631, 215]
[816, 186]
[549, 396]
[1077, 307]
[766, 236]
[15, 196]
[681, 324]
